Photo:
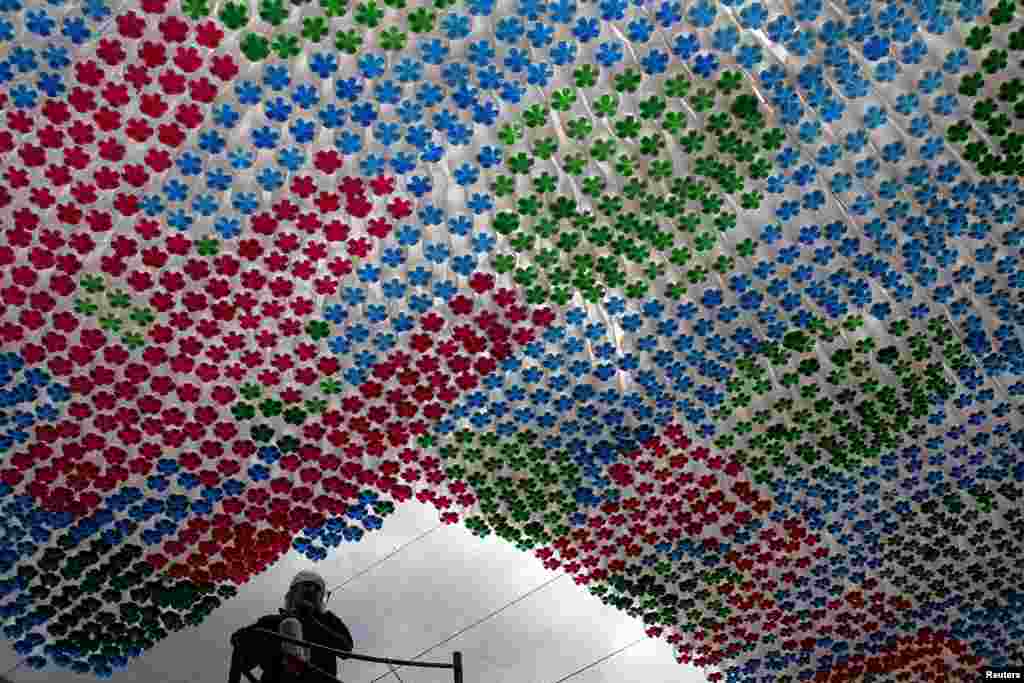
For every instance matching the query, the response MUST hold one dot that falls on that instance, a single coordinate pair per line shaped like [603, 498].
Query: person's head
[306, 588]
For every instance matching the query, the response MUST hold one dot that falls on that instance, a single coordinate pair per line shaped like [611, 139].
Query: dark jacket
[256, 648]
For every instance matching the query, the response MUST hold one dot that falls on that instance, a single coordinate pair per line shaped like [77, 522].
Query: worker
[305, 601]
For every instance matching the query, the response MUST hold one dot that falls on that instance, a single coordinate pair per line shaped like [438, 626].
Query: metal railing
[237, 663]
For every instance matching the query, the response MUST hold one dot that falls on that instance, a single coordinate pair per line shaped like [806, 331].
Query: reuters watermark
[1012, 673]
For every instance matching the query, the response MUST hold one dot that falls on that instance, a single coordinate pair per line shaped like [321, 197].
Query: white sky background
[424, 593]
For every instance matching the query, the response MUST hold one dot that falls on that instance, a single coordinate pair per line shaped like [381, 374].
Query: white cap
[310, 576]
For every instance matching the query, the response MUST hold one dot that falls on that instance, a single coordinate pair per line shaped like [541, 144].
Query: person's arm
[340, 638]
[239, 666]
[252, 648]
[250, 636]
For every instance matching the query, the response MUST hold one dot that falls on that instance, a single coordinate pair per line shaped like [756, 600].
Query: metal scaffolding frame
[238, 667]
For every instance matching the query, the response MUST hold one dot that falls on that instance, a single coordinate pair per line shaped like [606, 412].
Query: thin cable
[480, 621]
[606, 657]
[394, 671]
[384, 559]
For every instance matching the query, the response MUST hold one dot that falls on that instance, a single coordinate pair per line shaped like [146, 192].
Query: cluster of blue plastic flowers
[23, 404]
